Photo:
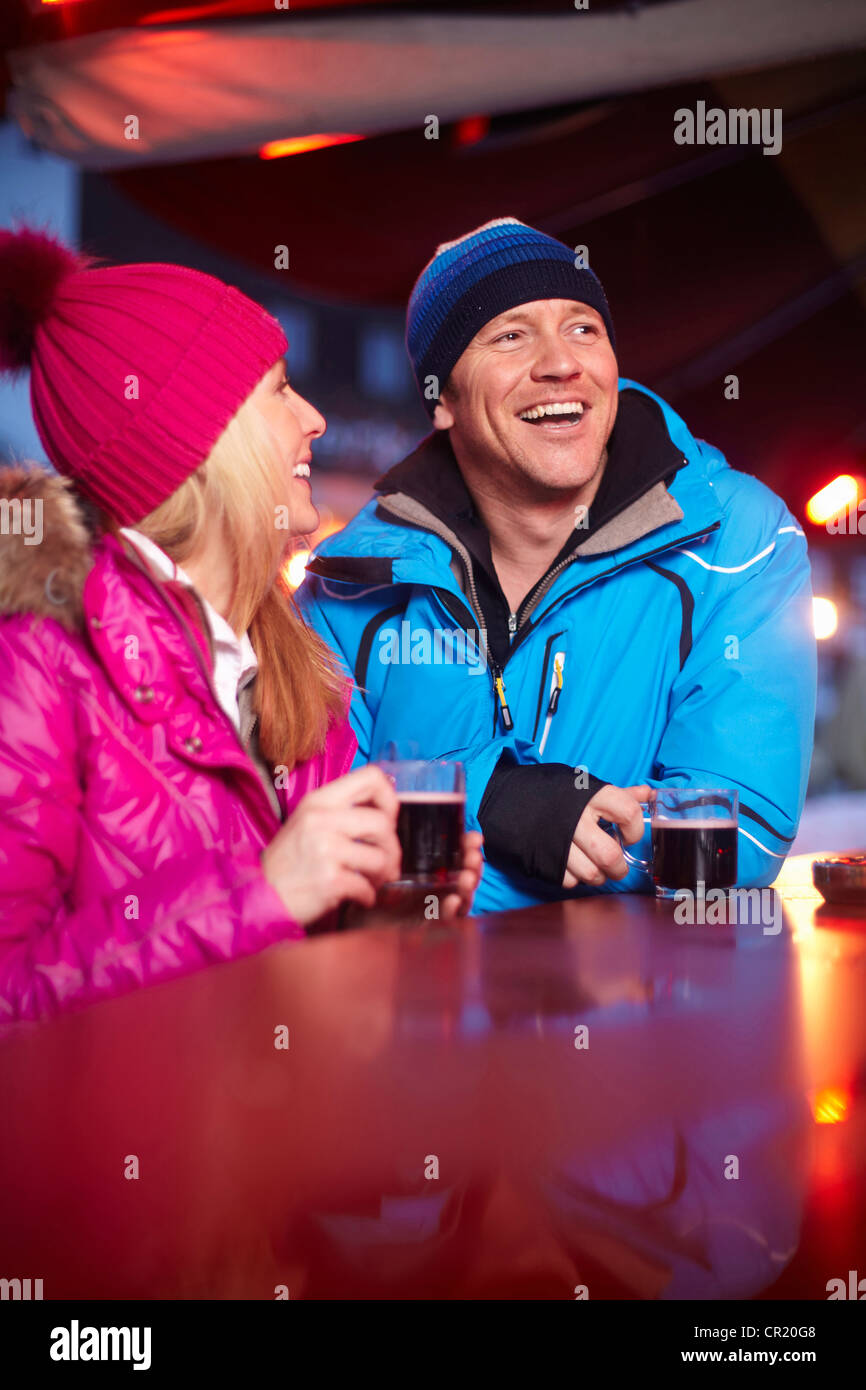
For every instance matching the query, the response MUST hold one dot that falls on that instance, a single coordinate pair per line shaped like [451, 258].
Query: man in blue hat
[565, 590]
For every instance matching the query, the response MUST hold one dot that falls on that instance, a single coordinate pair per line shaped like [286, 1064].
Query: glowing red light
[278, 149]
[471, 129]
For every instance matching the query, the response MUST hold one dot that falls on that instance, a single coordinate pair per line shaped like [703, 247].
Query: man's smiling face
[534, 397]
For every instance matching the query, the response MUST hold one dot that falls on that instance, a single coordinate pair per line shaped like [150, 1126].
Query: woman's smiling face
[293, 425]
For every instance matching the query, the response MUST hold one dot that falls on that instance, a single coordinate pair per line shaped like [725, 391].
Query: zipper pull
[556, 682]
[554, 694]
[512, 624]
[499, 686]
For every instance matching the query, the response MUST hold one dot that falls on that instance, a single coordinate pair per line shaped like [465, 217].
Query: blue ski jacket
[674, 647]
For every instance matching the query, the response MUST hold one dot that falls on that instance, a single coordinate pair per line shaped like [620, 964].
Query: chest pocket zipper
[556, 683]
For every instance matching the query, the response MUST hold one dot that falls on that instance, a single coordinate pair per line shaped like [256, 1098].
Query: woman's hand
[340, 843]
[458, 904]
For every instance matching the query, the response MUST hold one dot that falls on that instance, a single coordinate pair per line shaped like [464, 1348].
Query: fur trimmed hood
[46, 546]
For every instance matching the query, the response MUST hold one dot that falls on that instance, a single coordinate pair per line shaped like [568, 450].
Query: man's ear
[443, 417]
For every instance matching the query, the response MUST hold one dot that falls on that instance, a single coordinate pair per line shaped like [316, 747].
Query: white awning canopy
[199, 91]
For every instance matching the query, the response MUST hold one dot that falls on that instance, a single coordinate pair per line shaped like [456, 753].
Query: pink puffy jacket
[131, 817]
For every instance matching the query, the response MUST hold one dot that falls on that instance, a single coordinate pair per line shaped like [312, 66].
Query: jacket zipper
[542, 587]
[530, 602]
[537, 594]
[449, 602]
[496, 671]
[556, 682]
[541, 689]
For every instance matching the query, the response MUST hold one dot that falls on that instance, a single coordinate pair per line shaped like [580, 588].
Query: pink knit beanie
[135, 369]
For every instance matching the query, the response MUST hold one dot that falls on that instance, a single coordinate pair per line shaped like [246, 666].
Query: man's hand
[594, 855]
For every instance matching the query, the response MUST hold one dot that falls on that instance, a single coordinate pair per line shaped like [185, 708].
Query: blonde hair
[299, 690]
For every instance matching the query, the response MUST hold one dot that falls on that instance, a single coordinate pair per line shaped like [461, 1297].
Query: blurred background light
[296, 567]
[825, 616]
[297, 563]
[278, 149]
[832, 499]
[831, 1105]
[471, 129]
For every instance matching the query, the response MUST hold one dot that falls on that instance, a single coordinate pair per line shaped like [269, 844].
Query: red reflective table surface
[583, 1096]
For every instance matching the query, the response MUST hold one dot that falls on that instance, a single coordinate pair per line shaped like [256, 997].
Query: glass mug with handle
[694, 839]
[430, 825]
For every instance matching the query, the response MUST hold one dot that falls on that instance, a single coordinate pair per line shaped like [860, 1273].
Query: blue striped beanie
[471, 280]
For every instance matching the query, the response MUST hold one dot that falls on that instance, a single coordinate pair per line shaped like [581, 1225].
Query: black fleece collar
[640, 454]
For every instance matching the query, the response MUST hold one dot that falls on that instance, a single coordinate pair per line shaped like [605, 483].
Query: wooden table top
[581, 1096]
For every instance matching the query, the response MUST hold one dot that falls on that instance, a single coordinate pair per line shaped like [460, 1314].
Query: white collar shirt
[235, 661]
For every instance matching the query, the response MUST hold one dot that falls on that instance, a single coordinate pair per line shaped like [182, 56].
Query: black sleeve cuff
[528, 815]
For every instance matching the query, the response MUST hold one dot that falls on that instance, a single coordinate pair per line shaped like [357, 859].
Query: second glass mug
[694, 839]
[430, 822]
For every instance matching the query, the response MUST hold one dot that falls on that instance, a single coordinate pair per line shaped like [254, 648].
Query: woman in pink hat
[168, 723]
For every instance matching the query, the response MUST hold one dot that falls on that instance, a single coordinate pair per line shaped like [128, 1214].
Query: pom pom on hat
[33, 265]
